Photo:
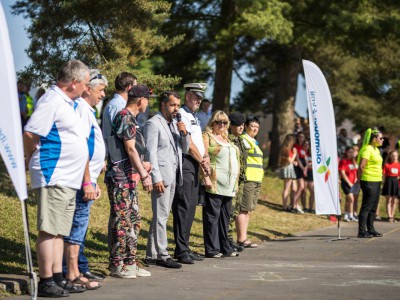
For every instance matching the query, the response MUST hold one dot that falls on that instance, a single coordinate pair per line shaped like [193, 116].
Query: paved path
[308, 266]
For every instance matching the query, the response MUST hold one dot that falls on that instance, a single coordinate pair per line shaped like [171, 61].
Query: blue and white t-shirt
[62, 153]
[95, 141]
[192, 125]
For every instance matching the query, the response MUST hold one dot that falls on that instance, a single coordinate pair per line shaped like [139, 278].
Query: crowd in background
[296, 172]
[183, 156]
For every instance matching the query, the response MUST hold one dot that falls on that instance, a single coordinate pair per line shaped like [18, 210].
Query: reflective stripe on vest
[254, 166]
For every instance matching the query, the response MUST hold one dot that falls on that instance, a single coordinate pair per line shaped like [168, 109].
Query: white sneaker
[122, 271]
[139, 272]
[299, 210]
[347, 219]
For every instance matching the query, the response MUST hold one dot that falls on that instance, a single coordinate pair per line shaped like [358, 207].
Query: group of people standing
[359, 169]
[170, 155]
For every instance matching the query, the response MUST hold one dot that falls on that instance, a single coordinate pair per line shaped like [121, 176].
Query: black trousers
[216, 213]
[366, 217]
[184, 205]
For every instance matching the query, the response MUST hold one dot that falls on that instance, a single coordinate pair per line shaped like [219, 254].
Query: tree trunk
[288, 67]
[224, 58]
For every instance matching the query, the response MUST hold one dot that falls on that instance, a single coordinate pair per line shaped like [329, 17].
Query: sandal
[86, 284]
[71, 286]
[247, 244]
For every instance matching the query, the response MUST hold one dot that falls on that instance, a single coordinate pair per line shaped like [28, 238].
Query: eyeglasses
[381, 138]
[219, 123]
[98, 76]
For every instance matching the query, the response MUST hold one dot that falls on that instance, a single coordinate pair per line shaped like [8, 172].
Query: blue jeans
[79, 228]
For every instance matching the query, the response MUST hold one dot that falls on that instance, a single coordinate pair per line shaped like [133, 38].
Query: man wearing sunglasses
[186, 196]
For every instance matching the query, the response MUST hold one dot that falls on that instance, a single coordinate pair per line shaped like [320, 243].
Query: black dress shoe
[364, 235]
[236, 248]
[168, 263]
[91, 276]
[150, 261]
[196, 256]
[186, 260]
[375, 233]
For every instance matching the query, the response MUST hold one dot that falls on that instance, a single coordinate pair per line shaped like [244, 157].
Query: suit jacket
[161, 149]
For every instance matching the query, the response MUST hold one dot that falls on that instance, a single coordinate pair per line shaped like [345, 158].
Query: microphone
[179, 119]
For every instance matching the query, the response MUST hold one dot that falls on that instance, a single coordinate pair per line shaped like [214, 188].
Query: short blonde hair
[218, 115]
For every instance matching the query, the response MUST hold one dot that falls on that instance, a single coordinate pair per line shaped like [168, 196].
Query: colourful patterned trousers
[124, 224]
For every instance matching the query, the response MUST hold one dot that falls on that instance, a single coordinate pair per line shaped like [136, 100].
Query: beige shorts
[56, 207]
[251, 191]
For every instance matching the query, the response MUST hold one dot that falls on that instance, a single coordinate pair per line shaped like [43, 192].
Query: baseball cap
[237, 118]
[139, 91]
[197, 88]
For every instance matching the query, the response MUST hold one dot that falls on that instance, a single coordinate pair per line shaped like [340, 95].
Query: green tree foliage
[112, 35]
[213, 29]
[354, 43]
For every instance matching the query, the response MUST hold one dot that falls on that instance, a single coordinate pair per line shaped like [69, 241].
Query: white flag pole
[323, 143]
[11, 147]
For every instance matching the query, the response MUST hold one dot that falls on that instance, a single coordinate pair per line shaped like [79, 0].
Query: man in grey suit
[166, 139]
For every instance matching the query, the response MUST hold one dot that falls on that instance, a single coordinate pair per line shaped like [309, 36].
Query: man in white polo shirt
[56, 151]
[186, 196]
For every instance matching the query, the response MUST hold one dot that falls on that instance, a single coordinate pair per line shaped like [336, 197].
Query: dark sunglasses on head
[221, 122]
[98, 76]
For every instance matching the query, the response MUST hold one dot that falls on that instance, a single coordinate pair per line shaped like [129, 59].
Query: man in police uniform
[186, 196]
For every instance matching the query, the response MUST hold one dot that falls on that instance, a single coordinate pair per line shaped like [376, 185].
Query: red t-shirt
[391, 170]
[349, 168]
[300, 150]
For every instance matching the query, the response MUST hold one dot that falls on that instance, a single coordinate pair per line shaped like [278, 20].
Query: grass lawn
[267, 222]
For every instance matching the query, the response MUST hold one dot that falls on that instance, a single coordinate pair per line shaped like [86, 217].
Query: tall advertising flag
[323, 141]
[11, 148]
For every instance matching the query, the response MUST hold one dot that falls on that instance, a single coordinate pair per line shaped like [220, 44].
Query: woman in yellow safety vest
[254, 178]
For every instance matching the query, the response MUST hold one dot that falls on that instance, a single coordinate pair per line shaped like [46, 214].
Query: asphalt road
[308, 266]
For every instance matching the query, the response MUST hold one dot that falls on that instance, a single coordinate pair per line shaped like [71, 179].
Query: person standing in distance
[166, 140]
[254, 178]
[370, 176]
[186, 196]
[51, 139]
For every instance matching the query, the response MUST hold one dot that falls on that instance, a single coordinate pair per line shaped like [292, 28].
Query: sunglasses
[219, 123]
[98, 76]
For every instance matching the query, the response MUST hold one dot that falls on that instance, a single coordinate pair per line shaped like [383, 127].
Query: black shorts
[345, 187]
[298, 170]
[309, 177]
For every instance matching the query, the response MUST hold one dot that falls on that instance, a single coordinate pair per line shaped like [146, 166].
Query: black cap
[237, 118]
[139, 91]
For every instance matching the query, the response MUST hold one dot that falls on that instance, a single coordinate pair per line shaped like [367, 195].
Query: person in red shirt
[391, 182]
[301, 170]
[348, 175]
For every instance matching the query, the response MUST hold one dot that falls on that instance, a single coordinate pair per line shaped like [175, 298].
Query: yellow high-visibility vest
[254, 166]
[29, 104]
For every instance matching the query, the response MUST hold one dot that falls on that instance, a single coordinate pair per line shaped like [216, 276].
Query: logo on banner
[324, 169]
